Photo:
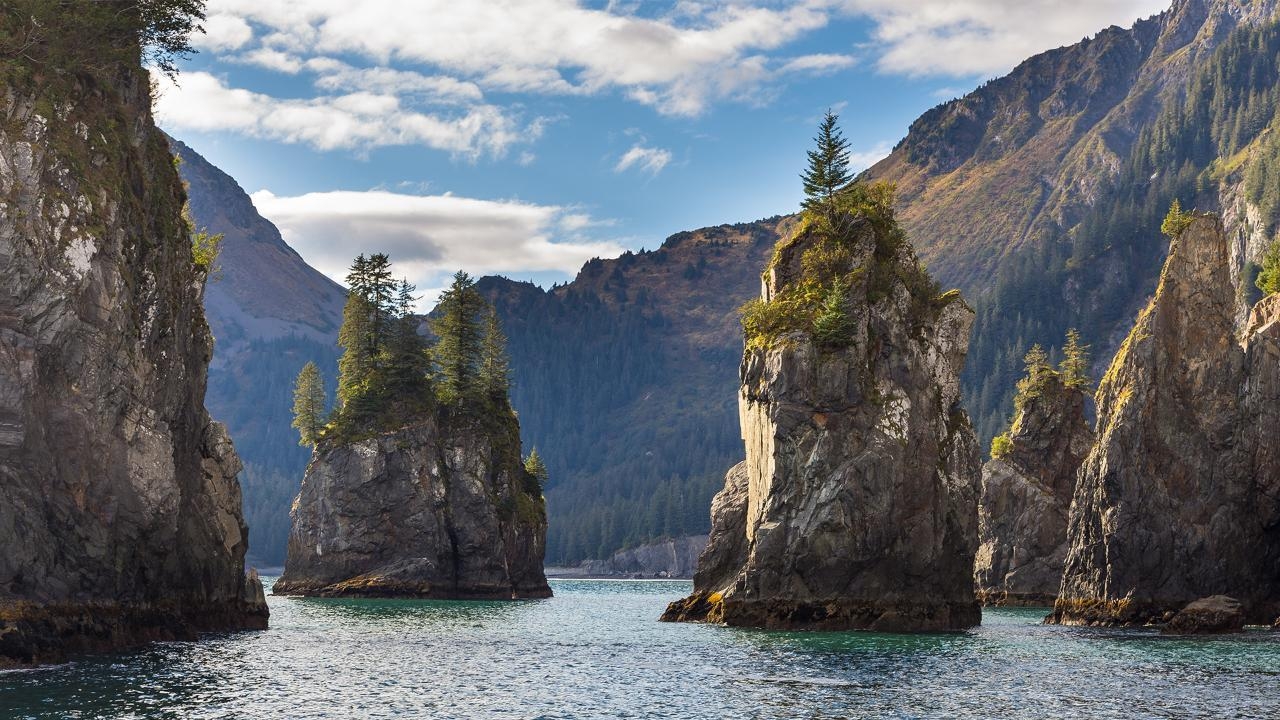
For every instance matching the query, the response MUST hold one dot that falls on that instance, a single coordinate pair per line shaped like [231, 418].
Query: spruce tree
[495, 366]
[356, 363]
[459, 349]
[536, 468]
[1269, 277]
[828, 170]
[1075, 362]
[407, 363]
[308, 404]
[1038, 369]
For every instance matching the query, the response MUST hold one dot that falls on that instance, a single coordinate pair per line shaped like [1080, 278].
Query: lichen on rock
[1176, 501]
[856, 506]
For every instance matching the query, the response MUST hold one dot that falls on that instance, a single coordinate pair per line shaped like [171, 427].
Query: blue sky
[524, 137]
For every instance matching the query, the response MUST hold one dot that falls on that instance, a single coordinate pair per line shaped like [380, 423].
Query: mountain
[625, 380]
[1040, 194]
[270, 312]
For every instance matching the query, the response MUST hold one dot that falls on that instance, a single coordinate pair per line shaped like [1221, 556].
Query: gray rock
[856, 506]
[1208, 616]
[1026, 495]
[120, 512]
[441, 508]
[669, 558]
[1177, 498]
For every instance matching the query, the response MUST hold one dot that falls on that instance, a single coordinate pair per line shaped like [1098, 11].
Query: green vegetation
[204, 249]
[536, 470]
[1074, 367]
[1224, 129]
[1001, 445]
[816, 302]
[1176, 221]
[1269, 274]
[1038, 373]
[828, 171]
[309, 404]
[50, 35]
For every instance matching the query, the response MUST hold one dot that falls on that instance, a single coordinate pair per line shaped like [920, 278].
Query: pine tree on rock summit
[308, 404]
[828, 170]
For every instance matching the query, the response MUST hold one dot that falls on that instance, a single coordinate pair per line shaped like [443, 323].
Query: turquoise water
[596, 651]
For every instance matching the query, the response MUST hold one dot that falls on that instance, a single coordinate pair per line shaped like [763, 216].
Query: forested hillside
[626, 381]
[1041, 194]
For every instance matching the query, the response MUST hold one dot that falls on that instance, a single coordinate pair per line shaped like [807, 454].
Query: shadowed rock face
[1026, 496]
[120, 511]
[437, 509]
[1177, 500]
[856, 506]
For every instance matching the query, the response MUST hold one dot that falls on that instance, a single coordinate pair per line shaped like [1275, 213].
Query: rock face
[856, 506]
[1177, 499]
[670, 558]
[439, 509]
[1026, 496]
[120, 510]
[1208, 616]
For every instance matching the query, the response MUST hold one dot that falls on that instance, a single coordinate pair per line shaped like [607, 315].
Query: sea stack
[120, 513]
[856, 506]
[1026, 494]
[1176, 502]
[416, 487]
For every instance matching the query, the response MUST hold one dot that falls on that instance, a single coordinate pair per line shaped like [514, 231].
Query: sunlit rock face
[1026, 496]
[856, 506]
[120, 512]
[1177, 500]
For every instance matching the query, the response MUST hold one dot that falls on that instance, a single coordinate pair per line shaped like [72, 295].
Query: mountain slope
[270, 313]
[1053, 179]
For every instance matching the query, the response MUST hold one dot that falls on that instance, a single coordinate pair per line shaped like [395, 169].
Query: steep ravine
[120, 509]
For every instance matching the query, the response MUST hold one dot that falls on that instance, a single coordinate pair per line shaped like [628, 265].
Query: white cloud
[650, 160]
[272, 59]
[223, 33]
[818, 64]
[985, 37]
[428, 236]
[356, 121]
[862, 159]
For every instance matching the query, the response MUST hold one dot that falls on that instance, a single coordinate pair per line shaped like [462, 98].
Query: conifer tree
[407, 363]
[356, 362]
[1075, 362]
[833, 326]
[308, 404]
[459, 350]
[1038, 369]
[1268, 280]
[495, 366]
[828, 169]
[536, 468]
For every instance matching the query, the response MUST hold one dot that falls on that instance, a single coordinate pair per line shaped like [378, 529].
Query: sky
[525, 137]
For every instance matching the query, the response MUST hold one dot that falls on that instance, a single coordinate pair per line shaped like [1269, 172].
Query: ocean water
[596, 650]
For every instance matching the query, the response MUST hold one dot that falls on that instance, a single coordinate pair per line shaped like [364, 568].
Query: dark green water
[596, 651]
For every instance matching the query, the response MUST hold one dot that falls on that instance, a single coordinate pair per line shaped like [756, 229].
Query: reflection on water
[596, 650]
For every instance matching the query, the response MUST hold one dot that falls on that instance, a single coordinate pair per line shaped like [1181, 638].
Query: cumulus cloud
[647, 159]
[428, 236]
[358, 120]
[223, 33]
[946, 37]
[818, 64]
[863, 159]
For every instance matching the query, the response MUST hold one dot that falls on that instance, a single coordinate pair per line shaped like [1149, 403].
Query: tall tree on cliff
[308, 404]
[460, 348]
[828, 169]
[495, 366]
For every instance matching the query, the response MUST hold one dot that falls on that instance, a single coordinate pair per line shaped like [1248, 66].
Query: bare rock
[120, 511]
[1208, 616]
[1026, 496]
[856, 506]
[441, 508]
[1177, 499]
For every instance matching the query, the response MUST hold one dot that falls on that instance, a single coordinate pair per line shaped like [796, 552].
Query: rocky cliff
[1176, 501]
[669, 558]
[119, 505]
[856, 506]
[1026, 495]
[440, 508]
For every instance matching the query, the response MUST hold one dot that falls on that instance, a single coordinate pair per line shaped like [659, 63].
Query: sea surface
[596, 650]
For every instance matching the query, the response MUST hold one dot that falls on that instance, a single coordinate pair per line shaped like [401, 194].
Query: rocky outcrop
[1207, 616]
[1026, 496]
[442, 508]
[120, 510]
[669, 558]
[1177, 500]
[857, 504]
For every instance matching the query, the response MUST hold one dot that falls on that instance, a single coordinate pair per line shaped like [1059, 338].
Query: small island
[416, 485]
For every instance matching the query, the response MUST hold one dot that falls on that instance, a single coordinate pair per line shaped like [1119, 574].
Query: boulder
[1208, 616]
